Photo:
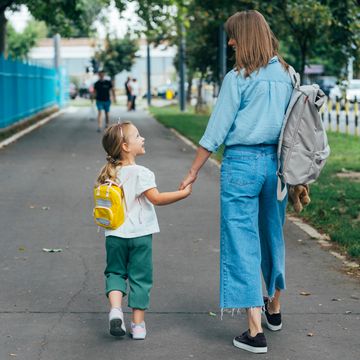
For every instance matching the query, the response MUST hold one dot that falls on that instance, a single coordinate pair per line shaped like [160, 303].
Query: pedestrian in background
[134, 93]
[102, 89]
[128, 93]
[247, 119]
[129, 247]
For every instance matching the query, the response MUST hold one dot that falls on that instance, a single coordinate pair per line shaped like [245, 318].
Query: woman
[247, 119]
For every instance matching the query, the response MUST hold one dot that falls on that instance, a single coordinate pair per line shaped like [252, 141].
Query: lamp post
[148, 67]
[182, 69]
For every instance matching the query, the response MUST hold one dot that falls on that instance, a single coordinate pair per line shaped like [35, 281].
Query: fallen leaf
[21, 248]
[212, 314]
[310, 334]
[304, 293]
[52, 250]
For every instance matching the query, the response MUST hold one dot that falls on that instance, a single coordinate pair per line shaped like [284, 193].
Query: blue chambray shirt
[249, 111]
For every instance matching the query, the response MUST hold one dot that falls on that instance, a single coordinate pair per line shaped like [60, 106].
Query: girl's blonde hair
[114, 138]
[255, 42]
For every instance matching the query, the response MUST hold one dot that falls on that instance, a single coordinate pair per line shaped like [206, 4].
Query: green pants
[130, 259]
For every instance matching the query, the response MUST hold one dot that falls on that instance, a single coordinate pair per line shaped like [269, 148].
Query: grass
[335, 202]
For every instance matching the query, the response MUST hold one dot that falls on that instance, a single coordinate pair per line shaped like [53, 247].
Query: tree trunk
[200, 107]
[188, 92]
[199, 97]
[3, 22]
[303, 50]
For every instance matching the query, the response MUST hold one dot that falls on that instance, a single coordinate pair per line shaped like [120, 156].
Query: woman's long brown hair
[255, 42]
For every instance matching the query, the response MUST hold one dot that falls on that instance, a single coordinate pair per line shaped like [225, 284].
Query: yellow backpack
[110, 206]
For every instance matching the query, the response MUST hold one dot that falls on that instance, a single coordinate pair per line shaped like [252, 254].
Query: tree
[118, 55]
[66, 17]
[20, 43]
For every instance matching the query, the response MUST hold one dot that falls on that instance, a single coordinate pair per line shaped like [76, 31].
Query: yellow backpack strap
[110, 182]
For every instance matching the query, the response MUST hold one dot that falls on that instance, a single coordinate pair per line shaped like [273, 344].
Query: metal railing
[341, 116]
[27, 89]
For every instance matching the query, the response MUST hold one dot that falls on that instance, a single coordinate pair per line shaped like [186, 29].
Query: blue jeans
[252, 222]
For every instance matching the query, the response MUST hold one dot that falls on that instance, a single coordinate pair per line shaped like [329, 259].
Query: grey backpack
[303, 146]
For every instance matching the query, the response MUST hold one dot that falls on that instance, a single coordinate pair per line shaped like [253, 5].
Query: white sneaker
[138, 331]
[116, 322]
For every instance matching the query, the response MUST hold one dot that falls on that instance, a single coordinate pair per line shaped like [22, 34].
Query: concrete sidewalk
[52, 305]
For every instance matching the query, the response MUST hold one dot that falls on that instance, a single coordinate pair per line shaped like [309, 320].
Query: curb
[322, 239]
[33, 127]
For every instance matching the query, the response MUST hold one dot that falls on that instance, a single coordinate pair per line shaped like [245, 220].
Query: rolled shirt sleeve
[224, 113]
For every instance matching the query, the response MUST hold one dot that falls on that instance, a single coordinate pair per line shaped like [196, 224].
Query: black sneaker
[256, 344]
[273, 321]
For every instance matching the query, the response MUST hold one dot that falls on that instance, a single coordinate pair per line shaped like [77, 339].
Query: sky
[117, 25]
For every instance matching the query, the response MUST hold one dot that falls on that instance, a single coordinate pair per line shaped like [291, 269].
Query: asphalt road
[52, 305]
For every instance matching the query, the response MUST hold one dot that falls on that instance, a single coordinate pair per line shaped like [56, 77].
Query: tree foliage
[66, 17]
[118, 55]
[20, 43]
[321, 31]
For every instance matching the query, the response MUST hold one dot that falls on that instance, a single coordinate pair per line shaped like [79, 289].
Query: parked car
[349, 90]
[353, 91]
[326, 83]
[161, 90]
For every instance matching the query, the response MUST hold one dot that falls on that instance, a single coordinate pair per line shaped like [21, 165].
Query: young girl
[129, 247]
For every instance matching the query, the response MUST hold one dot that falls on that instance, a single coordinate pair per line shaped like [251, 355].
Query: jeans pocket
[241, 170]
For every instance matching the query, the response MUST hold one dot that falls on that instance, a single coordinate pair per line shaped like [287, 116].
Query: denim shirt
[249, 111]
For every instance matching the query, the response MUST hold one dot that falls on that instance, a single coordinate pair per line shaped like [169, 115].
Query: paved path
[52, 305]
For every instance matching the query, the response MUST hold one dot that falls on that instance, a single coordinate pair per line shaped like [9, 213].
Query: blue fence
[27, 89]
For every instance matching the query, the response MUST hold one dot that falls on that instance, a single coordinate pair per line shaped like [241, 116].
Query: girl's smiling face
[135, 143]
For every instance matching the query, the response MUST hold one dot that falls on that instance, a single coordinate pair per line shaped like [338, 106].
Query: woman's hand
[189, 179]
[201, 156]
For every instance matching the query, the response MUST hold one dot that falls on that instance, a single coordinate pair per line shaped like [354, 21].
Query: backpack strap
[110, 182]
[295, 77]
[281, 192]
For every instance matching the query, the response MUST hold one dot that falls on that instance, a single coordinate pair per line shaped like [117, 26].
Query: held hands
[187, 190]
[188, 180]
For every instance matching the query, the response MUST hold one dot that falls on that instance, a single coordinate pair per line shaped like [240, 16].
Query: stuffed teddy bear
[299, 196]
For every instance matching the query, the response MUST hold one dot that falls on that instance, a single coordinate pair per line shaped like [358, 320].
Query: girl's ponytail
[113, 139]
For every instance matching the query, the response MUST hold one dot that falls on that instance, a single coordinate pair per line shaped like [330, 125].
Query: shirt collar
[273, 59]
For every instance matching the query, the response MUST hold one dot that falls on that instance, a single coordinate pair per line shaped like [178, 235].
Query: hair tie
[110, 159]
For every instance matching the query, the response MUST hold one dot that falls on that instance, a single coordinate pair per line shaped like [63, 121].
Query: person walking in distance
[128, 93]
[247, 119]
[102, 89]
[134, 92]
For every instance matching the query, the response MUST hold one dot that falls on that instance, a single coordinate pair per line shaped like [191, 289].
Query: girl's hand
[188, 180]
[187, 190]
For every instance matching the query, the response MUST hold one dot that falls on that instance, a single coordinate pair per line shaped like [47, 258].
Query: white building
[76, 54]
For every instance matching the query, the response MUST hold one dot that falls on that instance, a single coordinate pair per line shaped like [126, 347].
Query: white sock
[115, 313]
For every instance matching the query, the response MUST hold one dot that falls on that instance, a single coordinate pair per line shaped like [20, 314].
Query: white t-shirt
[134, 88]
[140, 215]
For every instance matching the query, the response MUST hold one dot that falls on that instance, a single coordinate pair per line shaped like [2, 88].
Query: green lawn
[335, 202]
